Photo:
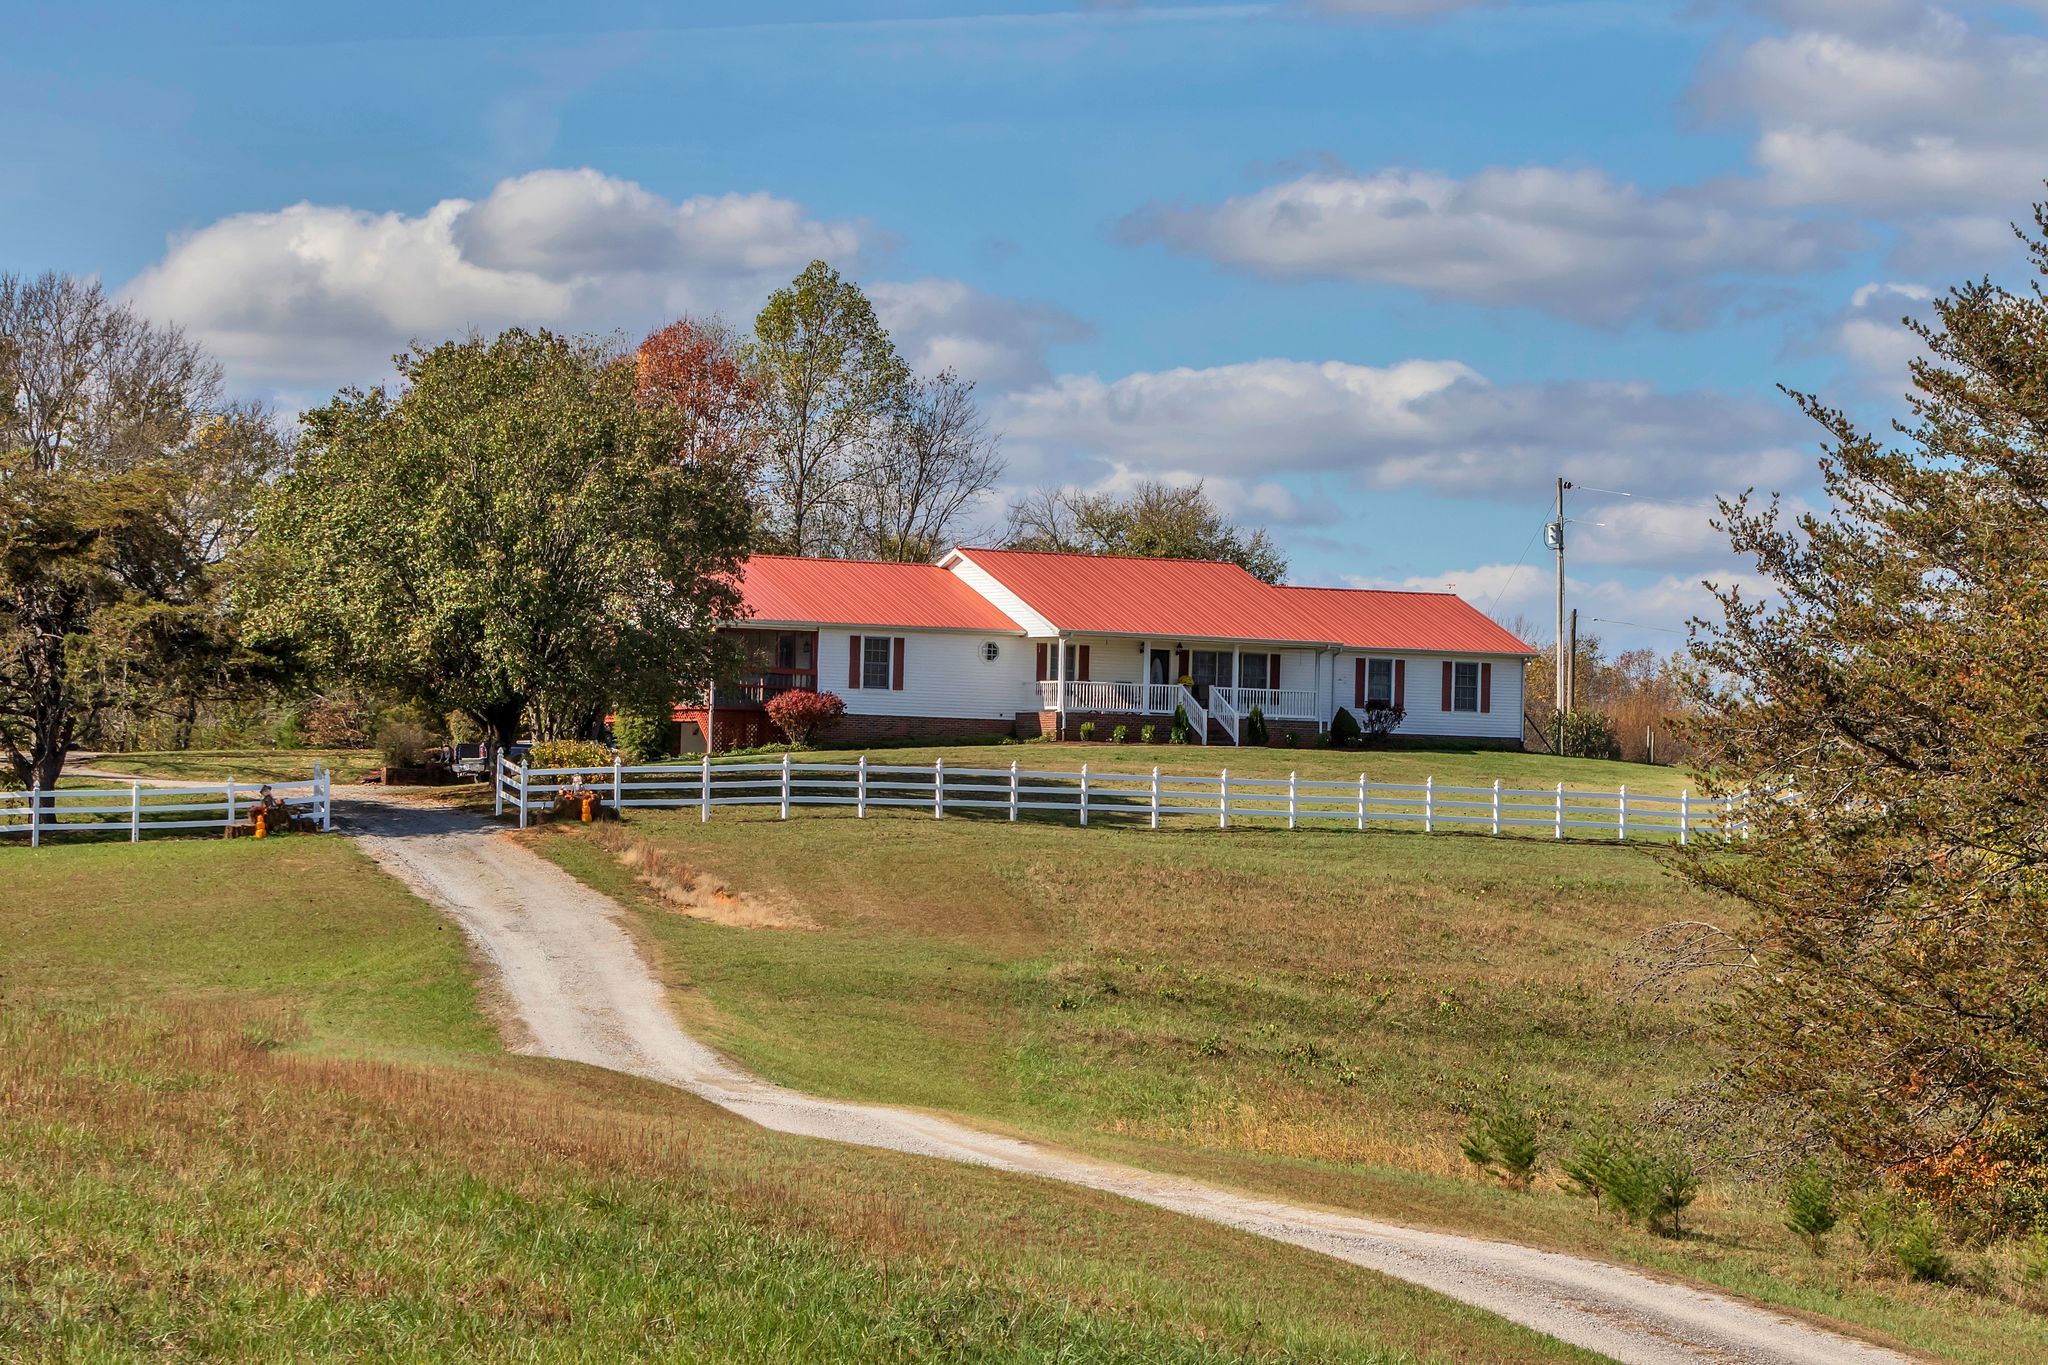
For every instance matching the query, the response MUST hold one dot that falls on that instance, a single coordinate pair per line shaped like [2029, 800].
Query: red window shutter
[896, 673]
[853, 661]
[1447, 684]
[1081, 664]
[1182, 670]
[1273, 671]
[1400, 684]
[1485, 687]
[1042, 674]
[1358, 701]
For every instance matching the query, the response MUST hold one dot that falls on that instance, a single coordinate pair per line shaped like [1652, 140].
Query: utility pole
[1554, 537]
[1571, 664]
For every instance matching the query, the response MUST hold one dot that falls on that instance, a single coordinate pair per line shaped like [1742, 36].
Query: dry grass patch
[691, 890]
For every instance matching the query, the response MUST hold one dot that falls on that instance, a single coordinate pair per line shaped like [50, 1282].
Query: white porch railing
[1225, 711]
[1198, 717]
[1225, 798]
[1274, 703]
[1152, 699]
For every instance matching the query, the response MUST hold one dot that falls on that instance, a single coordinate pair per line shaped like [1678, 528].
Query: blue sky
[1378, 270]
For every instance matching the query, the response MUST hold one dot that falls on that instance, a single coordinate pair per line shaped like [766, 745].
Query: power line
[1634, 625]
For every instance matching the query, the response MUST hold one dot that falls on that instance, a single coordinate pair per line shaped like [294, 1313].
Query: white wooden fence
[137, 810]
[1087, 795]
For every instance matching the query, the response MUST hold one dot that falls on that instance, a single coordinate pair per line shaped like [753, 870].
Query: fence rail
[1085, 795]
[138, 810]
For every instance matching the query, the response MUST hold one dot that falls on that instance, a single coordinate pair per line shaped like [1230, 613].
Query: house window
[1252, 671]
[1464, 687]
[793, 652]
[1379, 682]
[876, 652]
[1210, 667]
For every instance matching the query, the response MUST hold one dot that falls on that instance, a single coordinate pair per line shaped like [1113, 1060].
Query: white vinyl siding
[1423, 695]
[945, 674]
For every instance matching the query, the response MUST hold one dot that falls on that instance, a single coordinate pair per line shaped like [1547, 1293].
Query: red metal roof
[1436, 622]
[1182, 598]
[782, 589]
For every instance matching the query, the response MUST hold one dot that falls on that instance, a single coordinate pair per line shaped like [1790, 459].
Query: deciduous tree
[1154, 520]
[511, 533]
[831, 386]
[918, 489]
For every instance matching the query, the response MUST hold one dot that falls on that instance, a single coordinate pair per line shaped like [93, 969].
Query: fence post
[1621, 813]
[1496, 805]
[326, 798]
[938, 788]
[618, 786]
[1292, 806]
[1685, 817]
[1223, 800]
[785, 786]
[231, 807]
[134, 812]
[704, 790]
[523, 779]
[1084, 794]
[1745, 815]
[497, 784]
[860, 788]
[35, 814]
[1155, 796]
[1560, 810]
[1361, 802]
[1429, 804]
[1013, 791]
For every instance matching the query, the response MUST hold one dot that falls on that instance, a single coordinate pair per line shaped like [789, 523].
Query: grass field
[249, 1109]
[1309, 1012]
[243, 765]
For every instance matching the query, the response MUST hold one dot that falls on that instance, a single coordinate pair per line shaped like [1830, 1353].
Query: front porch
[1216, 684]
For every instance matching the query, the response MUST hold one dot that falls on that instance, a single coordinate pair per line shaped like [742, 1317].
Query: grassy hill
[1316, 1013]
[251, 1108]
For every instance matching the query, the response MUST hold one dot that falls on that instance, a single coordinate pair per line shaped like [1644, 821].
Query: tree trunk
[499, 721]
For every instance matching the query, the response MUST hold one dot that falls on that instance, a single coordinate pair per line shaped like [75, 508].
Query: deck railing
[1274, 703]
[1088, 796]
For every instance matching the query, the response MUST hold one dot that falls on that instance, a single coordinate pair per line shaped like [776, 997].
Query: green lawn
[1310, 1012]
[250, 1109]
[243, 765]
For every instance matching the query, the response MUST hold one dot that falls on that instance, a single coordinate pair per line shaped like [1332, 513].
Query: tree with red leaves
[695, 368]
[800, 714]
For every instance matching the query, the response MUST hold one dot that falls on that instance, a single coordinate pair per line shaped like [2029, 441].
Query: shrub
[1919, 1249]
[336, 723]
[1380, 721]
[1875, 1221]
[403, 742]
[1589, 734]
[569, 753]
[801, 714]
[1293, 739]
[642, 736]
[1148, 734]
[1343, 728]
[1087, 729]
[1183, 731]
[1589, 1167]
[1120, 735]
[1255, 727]
[1810, 1205]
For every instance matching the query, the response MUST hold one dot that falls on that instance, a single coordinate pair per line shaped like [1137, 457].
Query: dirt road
[582, 992]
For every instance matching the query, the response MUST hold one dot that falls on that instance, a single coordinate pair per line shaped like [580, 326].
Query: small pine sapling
[1810, 1205]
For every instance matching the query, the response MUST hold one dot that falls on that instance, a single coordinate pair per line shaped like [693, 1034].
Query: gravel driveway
[581, 992]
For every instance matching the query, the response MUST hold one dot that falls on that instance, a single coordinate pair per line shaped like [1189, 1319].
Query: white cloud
[1872, 336]
[314, 294]
[1891, 106]
[1428, 424]
[998, 342]
[1573, 243]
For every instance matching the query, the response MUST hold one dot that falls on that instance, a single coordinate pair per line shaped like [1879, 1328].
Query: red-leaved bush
[798, 714]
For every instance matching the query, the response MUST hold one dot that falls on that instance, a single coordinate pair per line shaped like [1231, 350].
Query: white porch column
[1059, 677]
[1145, 677]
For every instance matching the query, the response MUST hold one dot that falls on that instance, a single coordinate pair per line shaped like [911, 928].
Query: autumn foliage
[695, 369]
[800, 714]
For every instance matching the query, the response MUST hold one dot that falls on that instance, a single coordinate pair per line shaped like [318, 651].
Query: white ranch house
[991, 642]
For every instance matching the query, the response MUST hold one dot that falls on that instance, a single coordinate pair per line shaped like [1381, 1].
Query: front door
[1161, 667]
